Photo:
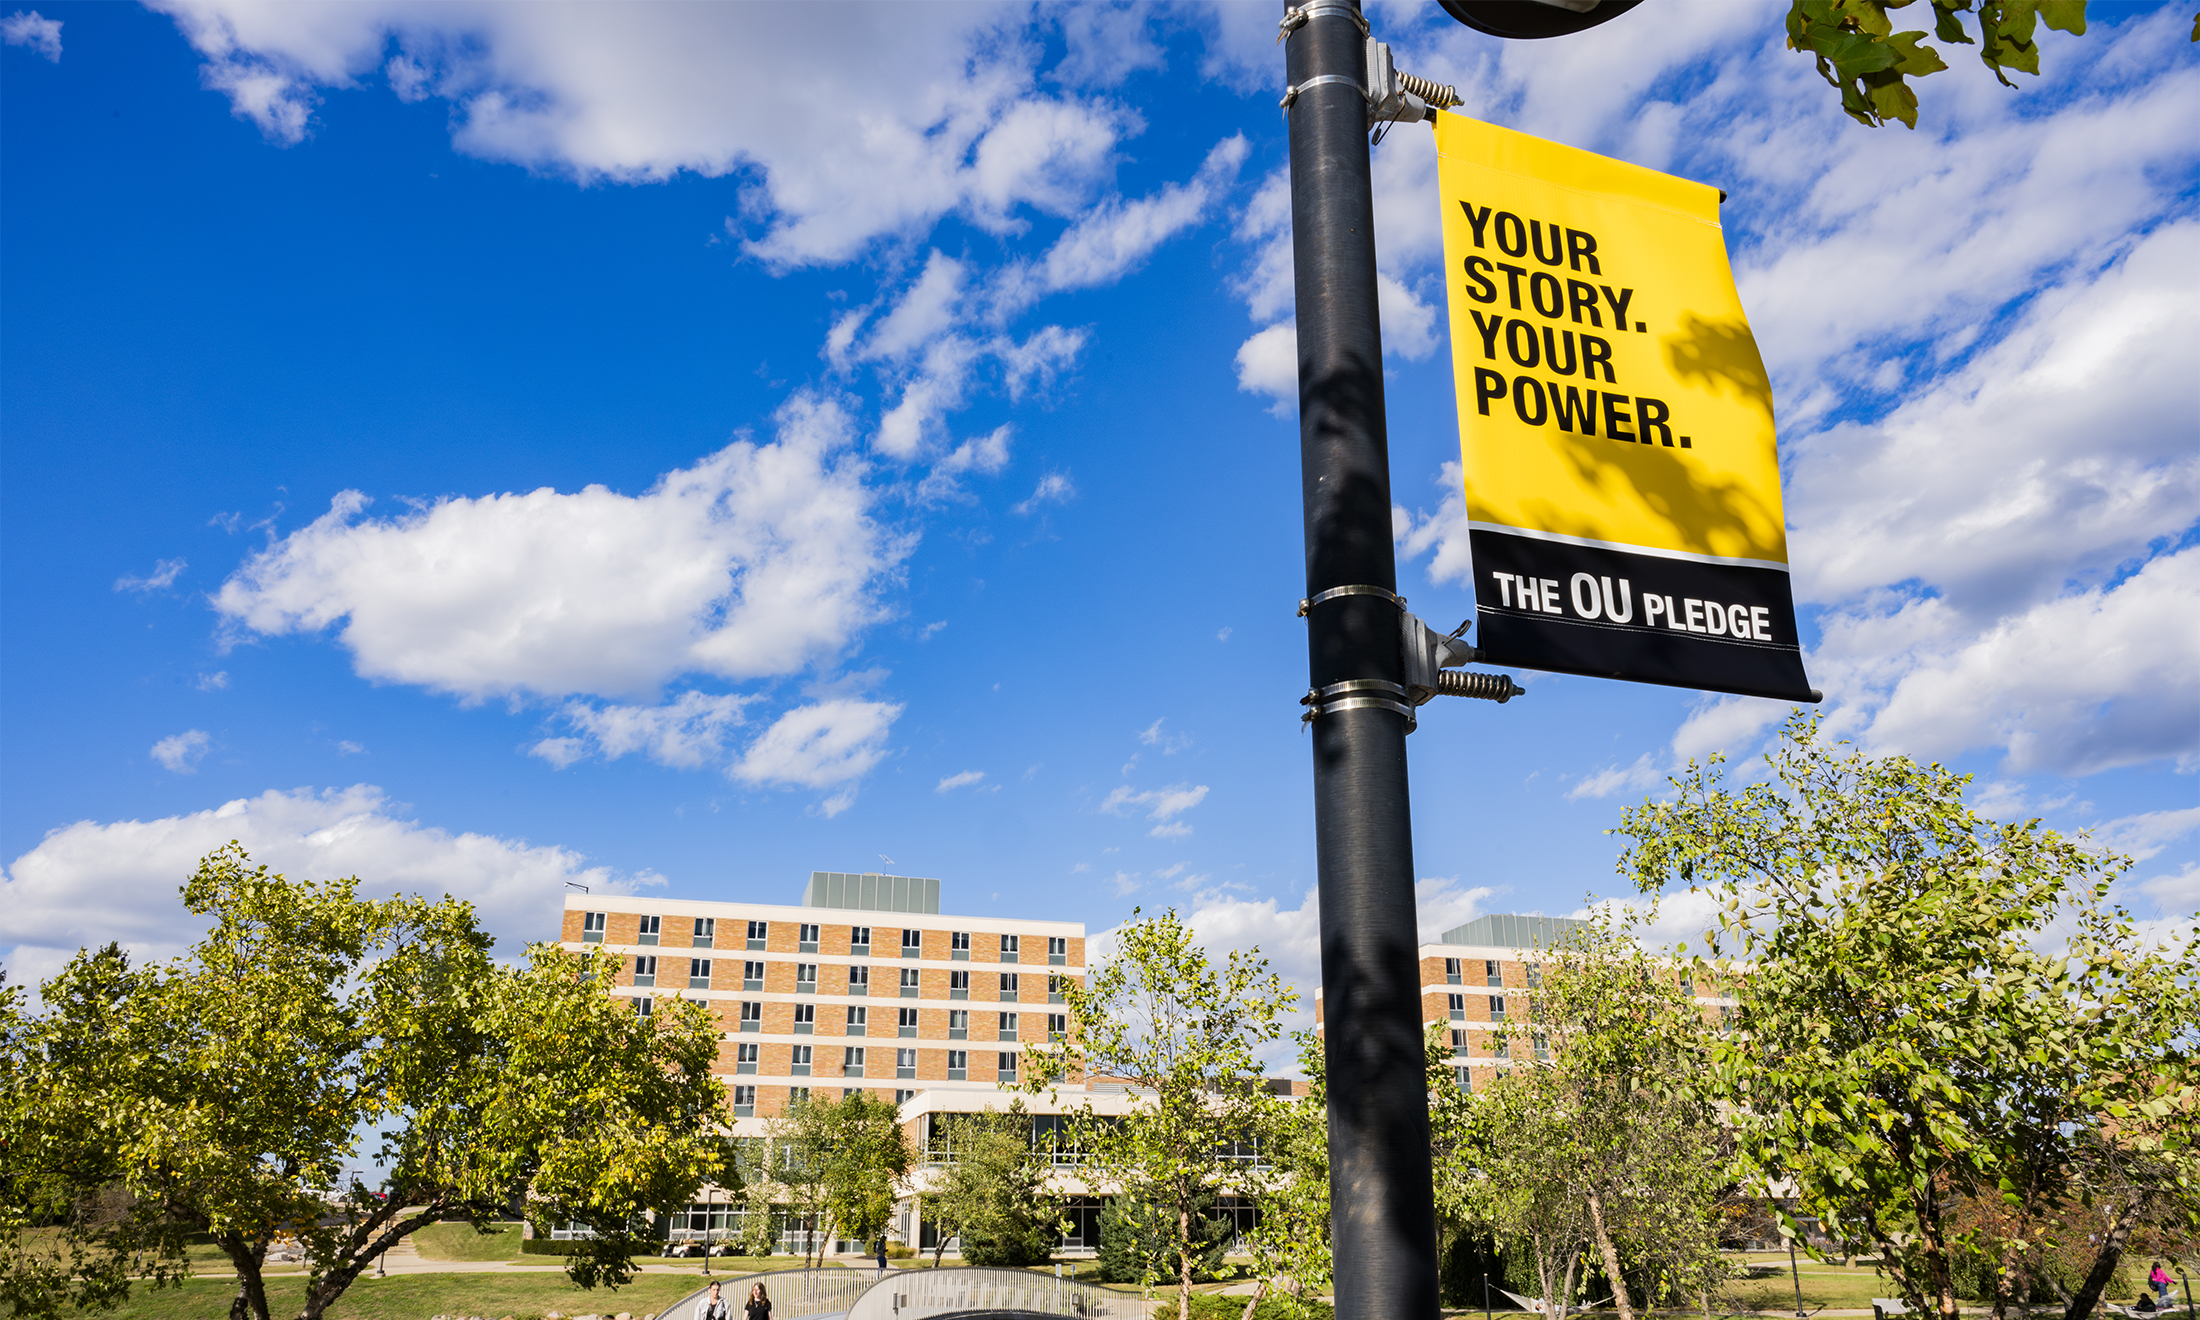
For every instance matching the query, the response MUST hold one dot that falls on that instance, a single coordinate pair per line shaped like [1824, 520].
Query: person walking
[2159, 1280]
[713, 1306]
[760, 1303]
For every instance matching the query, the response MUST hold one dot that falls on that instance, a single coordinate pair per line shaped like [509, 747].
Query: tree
[222, 1094]
[1185, 1036]
[994, 1192]
[801, 1135]
[1859, 52]
[1593, 1139]
[1934, 1006]
[1291, 1239]
[864, 1156]
[1141, 1243]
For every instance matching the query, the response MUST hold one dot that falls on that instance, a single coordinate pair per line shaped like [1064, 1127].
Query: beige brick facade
[821, 992]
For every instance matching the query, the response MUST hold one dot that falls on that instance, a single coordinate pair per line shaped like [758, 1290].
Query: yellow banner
[1609, 388]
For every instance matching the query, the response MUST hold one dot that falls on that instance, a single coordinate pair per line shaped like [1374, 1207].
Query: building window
[752, 975]
[1542, 1046]
[806, 938]
[912, 943]
[908, 983]
[592, 927]
[744, 1057]
[1008, 985]
[859, 1020]
[958, 985]
[859, 939]
[706, 930]
[744, 1101]
[805, 978]
[1491, 974]
[759, 934]
[647, 933]
[1451, 971]
[904, 1097]
[1688, 985]
[1011, 945]
[805, 1019]
[1054, 990]
[908, 1023]
[801, 1063]
[1497, 1008]
[752, 1015]
[698, 973]
[1535, 976]
[642, 1007]
[1008, 1026]
[645, 971]
[1008, 1067]
[958, 1065]
[958, 946]
[958, 1024]
[1458, 1008]
[798, 1095]
[1458, 1041]
[1058, 949]
[905, 1063]
[1466, 1077]
[1057, 1025]
[859, 980]
[851, 1061]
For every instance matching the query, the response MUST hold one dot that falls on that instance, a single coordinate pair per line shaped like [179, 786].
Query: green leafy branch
[1859, 52]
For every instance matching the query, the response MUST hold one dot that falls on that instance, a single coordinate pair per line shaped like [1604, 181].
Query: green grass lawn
[418, 1296]
[461, 1242]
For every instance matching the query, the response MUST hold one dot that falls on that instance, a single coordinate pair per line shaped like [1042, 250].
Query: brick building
[1479, 977]
[863, 986]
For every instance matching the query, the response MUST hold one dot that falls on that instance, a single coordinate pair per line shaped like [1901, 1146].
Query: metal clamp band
[1359, 694]
[1307, 605]
[1333, 9]
[1317, 696]
[1291, 93]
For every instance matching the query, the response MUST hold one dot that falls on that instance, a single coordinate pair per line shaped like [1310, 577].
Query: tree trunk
[251, 1302]
[2004, 1281]
[1184, 1261]
[1259, 1285]
[2104, 1264]
[1611, 1257]
[1557, 1305]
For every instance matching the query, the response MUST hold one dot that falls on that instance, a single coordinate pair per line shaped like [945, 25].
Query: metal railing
[915, 1294]
[795, 1294]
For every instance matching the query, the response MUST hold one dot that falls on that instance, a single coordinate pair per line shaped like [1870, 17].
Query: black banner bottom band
[1611, 613]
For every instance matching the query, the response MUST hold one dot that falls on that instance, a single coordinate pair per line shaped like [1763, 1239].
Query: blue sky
[678, 448]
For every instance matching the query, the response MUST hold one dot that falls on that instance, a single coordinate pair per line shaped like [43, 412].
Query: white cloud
[2177, 893]
[963, 780]
[346, 747]
[1268, 363]
[28, 28]
[181, 752]
[1444, 531]
[1113, 238]
[164, 574]
[687, 732]
[757, 561]
[2144, 836]
[1645, 772]
[214, 682]
[856, 123]
[1053, 488]
[87, 883]
[1169, 743]
[1167, 803]
[826, 744]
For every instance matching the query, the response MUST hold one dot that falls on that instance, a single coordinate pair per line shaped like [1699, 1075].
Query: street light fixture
[1528, 20]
